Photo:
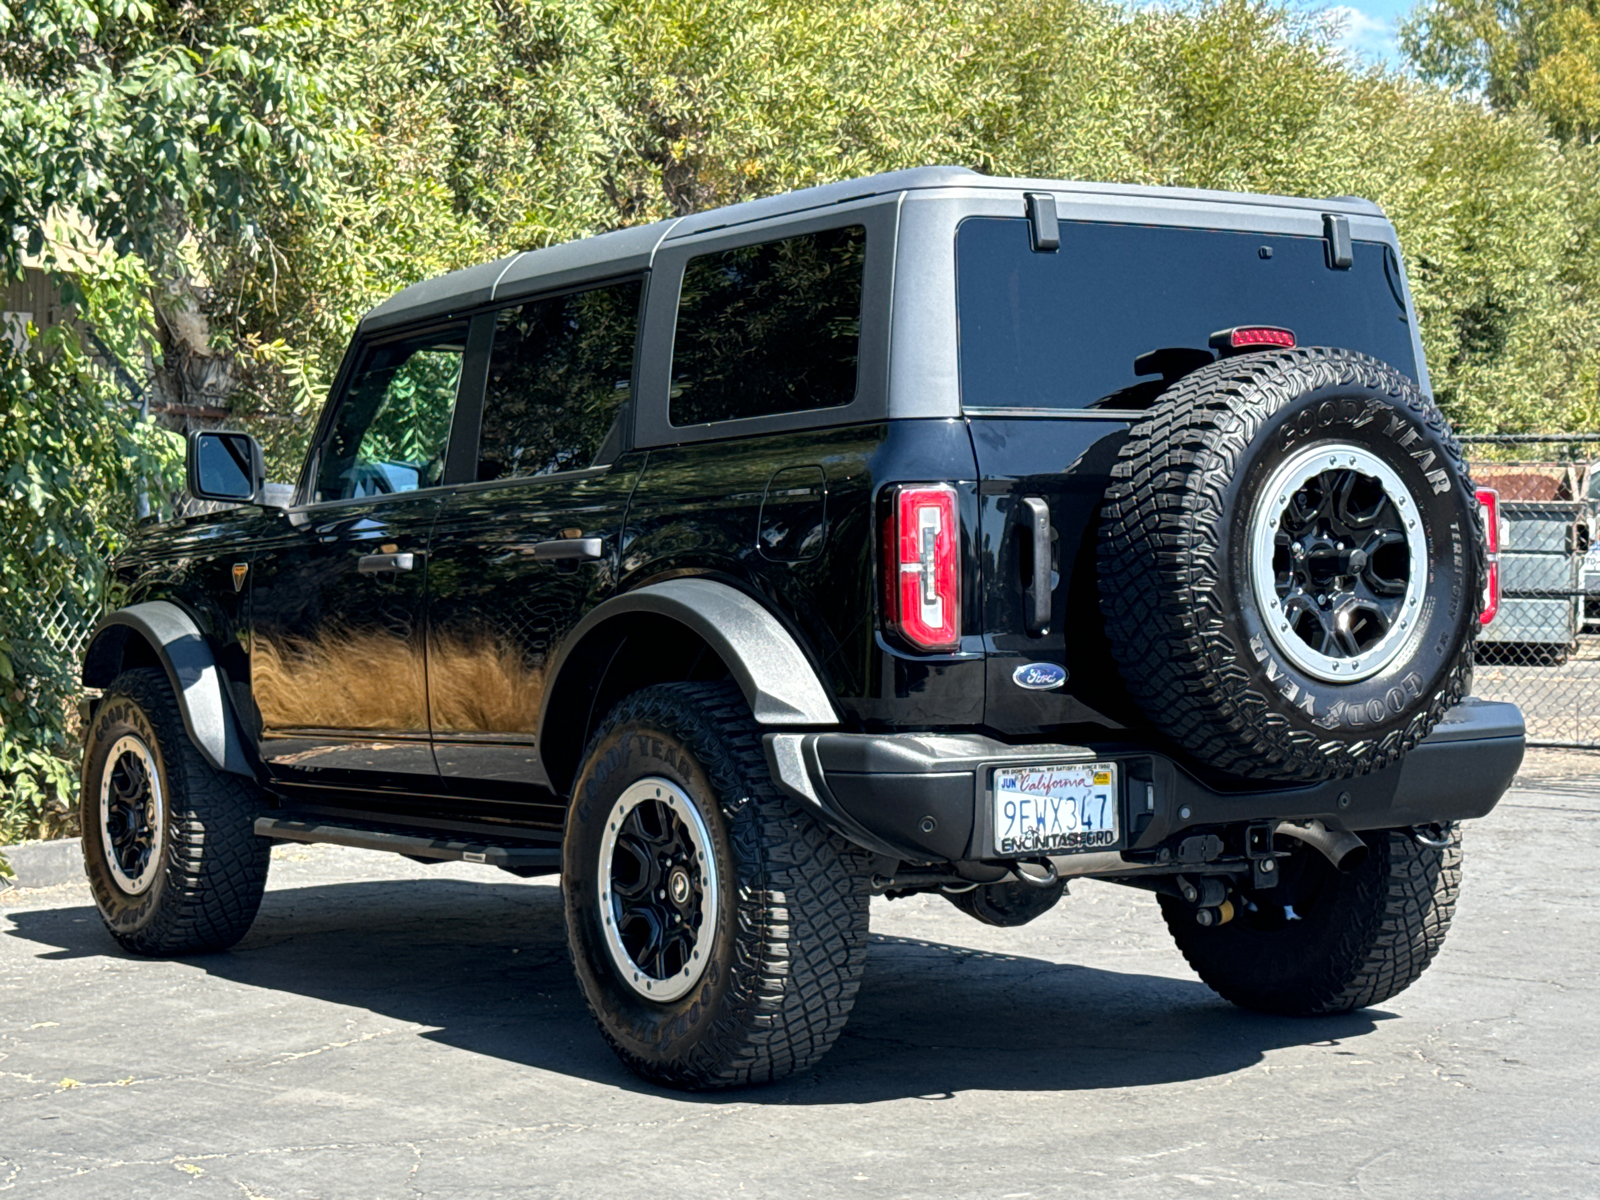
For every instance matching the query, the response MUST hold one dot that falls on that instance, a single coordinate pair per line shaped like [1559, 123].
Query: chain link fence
[64, 624]
[1542, 649]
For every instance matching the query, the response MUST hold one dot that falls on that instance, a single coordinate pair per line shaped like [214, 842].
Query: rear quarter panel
[697, 511]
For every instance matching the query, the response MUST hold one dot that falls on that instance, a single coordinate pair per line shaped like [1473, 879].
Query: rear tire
[169, 841]
[1347, 940]
[718, 932]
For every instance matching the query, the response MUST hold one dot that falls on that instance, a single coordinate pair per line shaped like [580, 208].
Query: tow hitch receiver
[1263, 860]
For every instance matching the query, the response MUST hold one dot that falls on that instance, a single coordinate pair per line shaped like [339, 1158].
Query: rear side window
[559, 374]
[390, 431]
[771, 328]
[1061, 330]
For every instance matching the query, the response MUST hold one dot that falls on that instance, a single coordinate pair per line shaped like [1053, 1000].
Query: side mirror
[225, 466]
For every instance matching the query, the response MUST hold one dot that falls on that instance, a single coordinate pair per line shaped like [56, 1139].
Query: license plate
[1055, 809]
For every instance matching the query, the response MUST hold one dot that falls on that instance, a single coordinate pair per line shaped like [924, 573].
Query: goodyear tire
[169, 841]
[1290, 564]
[718, 932]
[1325, 941]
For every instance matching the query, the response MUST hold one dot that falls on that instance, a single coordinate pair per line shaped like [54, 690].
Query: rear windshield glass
[1061, 330]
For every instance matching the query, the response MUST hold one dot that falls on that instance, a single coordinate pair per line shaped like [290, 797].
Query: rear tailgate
[1066, 463]
[1063, 346]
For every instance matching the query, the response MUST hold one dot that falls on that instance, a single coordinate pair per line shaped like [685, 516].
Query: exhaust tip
[1345, 851]
[1352, 857]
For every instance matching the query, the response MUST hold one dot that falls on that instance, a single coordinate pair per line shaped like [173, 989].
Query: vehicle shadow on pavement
[485, 968]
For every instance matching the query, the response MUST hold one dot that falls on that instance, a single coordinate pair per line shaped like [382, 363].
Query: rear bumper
[925, 798]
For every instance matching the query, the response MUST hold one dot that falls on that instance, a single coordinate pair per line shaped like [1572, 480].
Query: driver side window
[390, 432]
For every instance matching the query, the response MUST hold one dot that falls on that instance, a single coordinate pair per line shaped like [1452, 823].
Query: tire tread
[216, 869]
[802, 905]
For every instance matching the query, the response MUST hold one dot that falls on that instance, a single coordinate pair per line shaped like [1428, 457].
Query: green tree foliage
[136, 141]
[1540, 54]
[71, 464]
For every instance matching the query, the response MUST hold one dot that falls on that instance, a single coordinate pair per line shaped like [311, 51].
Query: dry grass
[483, 686]
[375, 681]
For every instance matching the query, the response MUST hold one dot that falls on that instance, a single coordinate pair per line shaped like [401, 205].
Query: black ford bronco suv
[924, 533]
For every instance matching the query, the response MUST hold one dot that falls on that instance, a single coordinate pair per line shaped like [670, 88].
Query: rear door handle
[568, 549]
[1035, 515]
[385, 564]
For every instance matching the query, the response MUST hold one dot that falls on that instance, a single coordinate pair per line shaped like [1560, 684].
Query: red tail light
[922, 561]
[1489, 504]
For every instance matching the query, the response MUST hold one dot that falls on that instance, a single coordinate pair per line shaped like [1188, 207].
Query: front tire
[169, 841]
[1325, 941]
[718, 932]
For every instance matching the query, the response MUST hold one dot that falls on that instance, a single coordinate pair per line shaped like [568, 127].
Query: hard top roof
[630, 250]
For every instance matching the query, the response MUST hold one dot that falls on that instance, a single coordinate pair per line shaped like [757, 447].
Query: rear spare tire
[1290, 564]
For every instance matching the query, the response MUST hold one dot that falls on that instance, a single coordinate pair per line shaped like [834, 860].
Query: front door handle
[568, 549]
[385, 564]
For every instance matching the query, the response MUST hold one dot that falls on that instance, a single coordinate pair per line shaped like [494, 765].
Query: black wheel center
[1306, 883]
[1341, 562]
[656, 889]
[678, 886]
[132, 826]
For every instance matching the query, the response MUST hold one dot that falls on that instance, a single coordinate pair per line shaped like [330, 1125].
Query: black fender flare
[774, 673]
[180, 646]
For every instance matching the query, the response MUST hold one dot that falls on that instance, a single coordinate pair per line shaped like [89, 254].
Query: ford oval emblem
[1039, 677]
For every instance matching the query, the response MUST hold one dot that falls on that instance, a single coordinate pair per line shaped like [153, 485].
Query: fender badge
[1039, 677]
[240, 570]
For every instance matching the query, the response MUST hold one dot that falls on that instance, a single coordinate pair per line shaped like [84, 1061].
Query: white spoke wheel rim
[655, 836]
[133, 814]
[1284, 600]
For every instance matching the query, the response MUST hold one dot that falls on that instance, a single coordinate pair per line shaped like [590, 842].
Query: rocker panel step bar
[414, 845]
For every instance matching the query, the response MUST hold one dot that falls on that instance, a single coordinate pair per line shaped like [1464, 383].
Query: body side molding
[182, 650]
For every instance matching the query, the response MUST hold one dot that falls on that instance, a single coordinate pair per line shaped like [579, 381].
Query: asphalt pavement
[391, 1030]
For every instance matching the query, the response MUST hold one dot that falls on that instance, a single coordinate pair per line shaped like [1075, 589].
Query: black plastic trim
[191, 669]
[412, 845]
[876, 789]
[1336, 229]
